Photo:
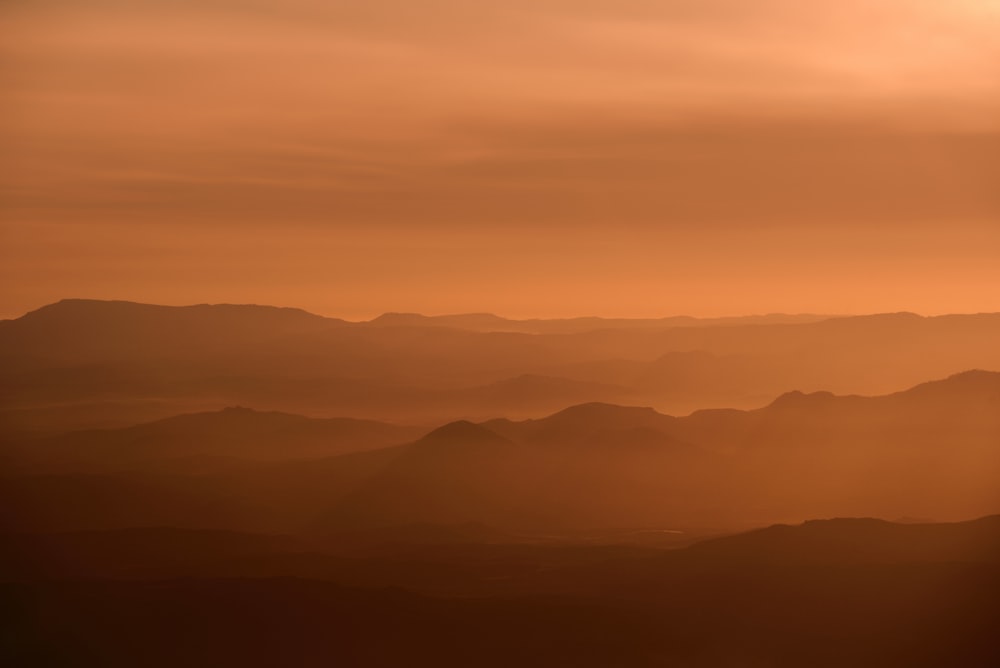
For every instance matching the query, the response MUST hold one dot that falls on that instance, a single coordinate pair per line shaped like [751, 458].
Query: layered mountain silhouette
[201, 440]
[83, 331]
[85, 363]
[858, 540]
[929, 451]
[473, 490]
[488, 322]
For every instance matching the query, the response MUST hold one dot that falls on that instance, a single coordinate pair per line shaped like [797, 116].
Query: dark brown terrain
[471, 490]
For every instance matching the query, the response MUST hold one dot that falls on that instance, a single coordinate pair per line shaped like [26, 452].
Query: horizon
[537, 159]
[375, 315]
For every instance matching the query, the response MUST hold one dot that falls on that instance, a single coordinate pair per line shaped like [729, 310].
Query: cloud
[336, 118]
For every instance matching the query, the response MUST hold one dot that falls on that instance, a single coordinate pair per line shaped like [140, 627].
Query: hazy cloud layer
[347, 120]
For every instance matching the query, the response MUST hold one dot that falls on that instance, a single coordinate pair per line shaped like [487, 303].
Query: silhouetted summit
[461, 432]
[860, 540]
[975, 385]
[606, 415]
[797, 400]
[237, 410]
[234, 432]
[593, 424]
[97, 310]
[973, 382]
[489, 322]
[84, 331]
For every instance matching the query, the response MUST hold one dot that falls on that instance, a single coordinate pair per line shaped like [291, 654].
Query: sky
[533, 158]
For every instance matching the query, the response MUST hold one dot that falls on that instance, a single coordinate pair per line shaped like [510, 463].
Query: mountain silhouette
[976, 385]
[644, 466]
[460, 432]
[197, 439]
[796, 400]
[482, 322]
[263, 537]
[592, 466]
[858, 540]
[489, 322]
[606, 415]
[87, 363]
[82, 329]
[458, 473]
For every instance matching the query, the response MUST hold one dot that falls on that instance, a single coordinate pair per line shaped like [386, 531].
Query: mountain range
[256, 486]
[83, 363]
[929, 451]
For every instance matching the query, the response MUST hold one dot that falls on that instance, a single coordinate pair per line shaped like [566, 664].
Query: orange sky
[531, 157]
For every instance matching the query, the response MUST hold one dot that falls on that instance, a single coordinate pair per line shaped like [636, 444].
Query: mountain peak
[395, 317]
[599, 409]
[119, 308]
[238, 410]
[975, 384]
[591, 417]
[859, 539]
[799, 399]
[970, 378]
[462, 431]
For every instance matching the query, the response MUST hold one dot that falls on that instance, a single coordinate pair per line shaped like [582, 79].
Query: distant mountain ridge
[489, 322]
[237, 433]
[73, 308]
[85, 363]
[859, 540]
[931, 451]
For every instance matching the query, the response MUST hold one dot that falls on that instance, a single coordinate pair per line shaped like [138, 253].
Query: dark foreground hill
[886, 595]
[202, 442]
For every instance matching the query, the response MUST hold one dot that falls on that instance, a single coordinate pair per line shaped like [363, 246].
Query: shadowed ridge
[207, 439]
[79, 331]
[601, 421]
[470, 321]
[974, 381]
[239, 419]
[509, 429]
[231, 412]
[250, 419]
[597, 411]
[858, 539]
[241, 410]
[797, 399]
[399, 319]
[100, 308]
[593, 423]
[712, 413]
[898, 317]
[458, 473]
[461, 432]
